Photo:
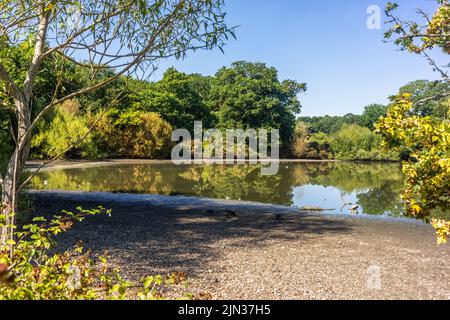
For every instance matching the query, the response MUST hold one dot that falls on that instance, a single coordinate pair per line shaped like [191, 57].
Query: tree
[329, 124]
[428, 172]
[428, 139]
[372, 113]
[300, 141]
[135, 134]
[250, 95]
[353, 142]
[67, 128]
[429, 98]
[127, 36]
[177, 98]
[421, 37]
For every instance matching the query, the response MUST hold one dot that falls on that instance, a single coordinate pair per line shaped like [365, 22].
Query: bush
[310, 146]
[135, 134]
[354, 142]
[34, 272]
[299, 141]
[428, 170]
[67, 128]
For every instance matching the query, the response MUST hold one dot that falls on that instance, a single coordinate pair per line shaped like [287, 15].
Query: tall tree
[127, 36]
[177, 98]
[372, 114]
[250, 95]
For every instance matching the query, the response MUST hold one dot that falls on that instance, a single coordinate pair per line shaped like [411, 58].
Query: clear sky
[323, 43]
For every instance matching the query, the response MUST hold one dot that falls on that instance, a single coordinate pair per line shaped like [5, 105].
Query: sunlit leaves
[416, 37]
[36, 272]
[428, 172]
[421, 36]
[442, 230]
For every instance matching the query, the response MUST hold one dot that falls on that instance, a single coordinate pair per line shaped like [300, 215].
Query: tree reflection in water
[375, 187]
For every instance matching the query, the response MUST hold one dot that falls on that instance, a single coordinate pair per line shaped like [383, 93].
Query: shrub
[428, 169]
[67, 128]
[33, 271]
[354, 142]
[299, 141]
[135, 134]
[309, 146]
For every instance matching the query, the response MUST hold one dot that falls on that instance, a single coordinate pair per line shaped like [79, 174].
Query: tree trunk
[22, 101]
[9, 204]
[14, 170]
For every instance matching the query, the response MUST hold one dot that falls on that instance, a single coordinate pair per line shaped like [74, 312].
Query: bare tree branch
[86, 90]
[38, 50]
[116, 100]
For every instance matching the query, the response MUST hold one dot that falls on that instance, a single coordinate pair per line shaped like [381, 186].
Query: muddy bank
[264, 251]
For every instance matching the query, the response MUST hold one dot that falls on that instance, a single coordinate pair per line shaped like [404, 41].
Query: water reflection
[374, 188]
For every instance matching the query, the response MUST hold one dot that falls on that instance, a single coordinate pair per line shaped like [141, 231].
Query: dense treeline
[352, 137]
[132, 118]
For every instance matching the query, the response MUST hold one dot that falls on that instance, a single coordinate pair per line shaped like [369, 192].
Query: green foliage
[179, 99]
[428, 171]
[67, 128]
[250, 95]
[328, 124]
[5, 143]
[299, 141]
[134, 134]
[310, 146]
[371, 115]
[33, 271]
[429, 98]
[353, 142]
[332, 124]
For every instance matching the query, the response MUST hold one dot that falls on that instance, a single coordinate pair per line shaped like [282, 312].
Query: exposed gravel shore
[265, 252]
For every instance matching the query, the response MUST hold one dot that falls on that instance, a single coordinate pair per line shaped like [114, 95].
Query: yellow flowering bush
[442, 229]
[428, 171]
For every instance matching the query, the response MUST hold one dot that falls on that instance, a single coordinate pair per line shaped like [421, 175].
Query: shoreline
[32, 165]
[258, 254]
[203, 203]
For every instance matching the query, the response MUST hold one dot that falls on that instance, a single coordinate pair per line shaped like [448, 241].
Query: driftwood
[315, 209]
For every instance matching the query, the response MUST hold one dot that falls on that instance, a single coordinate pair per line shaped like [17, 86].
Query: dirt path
[266, 252]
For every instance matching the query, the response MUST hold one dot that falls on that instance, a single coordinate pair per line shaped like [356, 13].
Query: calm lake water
[374, 187]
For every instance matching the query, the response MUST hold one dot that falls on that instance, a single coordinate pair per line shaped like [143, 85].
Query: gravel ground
[265, 252]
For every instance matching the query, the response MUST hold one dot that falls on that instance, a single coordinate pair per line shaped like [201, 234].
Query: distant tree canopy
[332, 124]
[371, 115]
[179, 98]
[250, 95]
[429, 98]
[244, 95]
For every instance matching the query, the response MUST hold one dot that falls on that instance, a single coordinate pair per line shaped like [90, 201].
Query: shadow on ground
[146, 238]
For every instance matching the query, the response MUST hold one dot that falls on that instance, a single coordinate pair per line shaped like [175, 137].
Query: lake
[374, 187]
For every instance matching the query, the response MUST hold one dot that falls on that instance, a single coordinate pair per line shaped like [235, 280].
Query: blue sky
[323, 43]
